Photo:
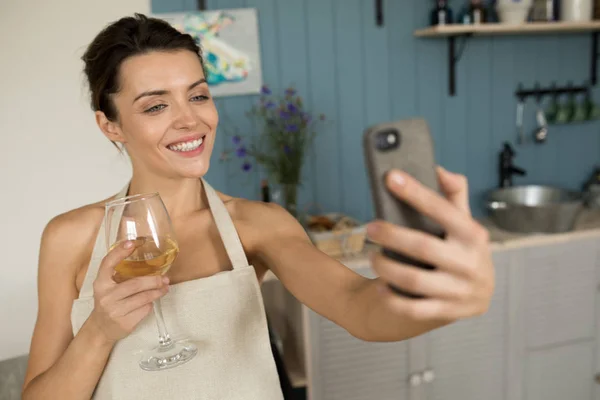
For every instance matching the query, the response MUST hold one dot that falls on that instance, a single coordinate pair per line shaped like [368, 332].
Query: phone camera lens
[387, 140]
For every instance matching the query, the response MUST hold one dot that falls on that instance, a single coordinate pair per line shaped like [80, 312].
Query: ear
[111, 129]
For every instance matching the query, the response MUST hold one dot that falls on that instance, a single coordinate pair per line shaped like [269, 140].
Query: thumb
[455, 188]
[113, 258]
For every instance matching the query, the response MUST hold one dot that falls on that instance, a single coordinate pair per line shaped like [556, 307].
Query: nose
[185, 118]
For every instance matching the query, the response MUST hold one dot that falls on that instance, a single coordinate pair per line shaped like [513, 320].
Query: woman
[150, 96]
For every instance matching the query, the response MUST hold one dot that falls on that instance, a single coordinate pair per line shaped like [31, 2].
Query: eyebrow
[161, 92]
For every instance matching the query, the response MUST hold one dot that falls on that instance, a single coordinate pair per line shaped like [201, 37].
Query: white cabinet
[339, 366]
[540, 339]
[463, 361]
[555, 322]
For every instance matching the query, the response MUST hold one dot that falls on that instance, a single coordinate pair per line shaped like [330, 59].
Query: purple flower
[286, 149]
[246, 166]
[292, 108]
[284, 114]
[322, 117]
[269, 105]
[290, 92]
[241, 152]
[236, 139]
[291, 128]
[306, 118]
[265, 90]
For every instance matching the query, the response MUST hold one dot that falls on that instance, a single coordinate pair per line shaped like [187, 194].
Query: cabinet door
[339, 366]
[558, 321]
[559, 292]
[560, 372]
[468, 358]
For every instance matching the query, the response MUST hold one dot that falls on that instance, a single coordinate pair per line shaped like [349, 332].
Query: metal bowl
[534, 208]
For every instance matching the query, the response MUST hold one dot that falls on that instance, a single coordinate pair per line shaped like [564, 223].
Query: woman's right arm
[62, 366]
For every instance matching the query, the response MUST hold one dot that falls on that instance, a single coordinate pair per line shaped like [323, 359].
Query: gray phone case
[413, 155]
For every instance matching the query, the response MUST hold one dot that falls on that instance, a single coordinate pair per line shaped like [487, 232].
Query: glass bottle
[441, 13]
[477, 12]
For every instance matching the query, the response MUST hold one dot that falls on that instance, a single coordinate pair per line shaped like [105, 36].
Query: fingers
[112, 258]
[455, 188]
[138, 300]
[416, 244]
[430, 203]
[136, 285]
[432, 284]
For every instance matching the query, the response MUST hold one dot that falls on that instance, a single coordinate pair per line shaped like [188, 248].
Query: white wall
[52, 156]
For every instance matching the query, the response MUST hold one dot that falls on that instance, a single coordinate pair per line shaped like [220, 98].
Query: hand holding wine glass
[120, 307]
[143, 223]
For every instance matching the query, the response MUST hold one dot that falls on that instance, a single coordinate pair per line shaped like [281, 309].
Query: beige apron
[223, 314]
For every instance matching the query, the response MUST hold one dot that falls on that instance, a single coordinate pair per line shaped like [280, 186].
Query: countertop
[586, 225]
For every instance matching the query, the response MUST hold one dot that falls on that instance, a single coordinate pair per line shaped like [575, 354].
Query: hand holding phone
[435, 255]
[403, 145]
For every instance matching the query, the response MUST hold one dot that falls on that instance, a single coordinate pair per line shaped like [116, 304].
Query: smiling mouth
[190, 145]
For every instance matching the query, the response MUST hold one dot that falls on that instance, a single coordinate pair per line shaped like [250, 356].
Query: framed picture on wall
[230, 43]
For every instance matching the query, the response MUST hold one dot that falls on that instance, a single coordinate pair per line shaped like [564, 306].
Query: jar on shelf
[576, 10]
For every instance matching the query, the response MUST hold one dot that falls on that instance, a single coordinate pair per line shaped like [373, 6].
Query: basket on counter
[335, 234]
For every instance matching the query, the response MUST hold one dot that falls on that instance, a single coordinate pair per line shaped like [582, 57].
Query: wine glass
[144, 219]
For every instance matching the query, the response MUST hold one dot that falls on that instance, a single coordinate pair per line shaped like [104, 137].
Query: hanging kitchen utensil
[593, 110]
[552, 110]
[541, 133]
[520, 111]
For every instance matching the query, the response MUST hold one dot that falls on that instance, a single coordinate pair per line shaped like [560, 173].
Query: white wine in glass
[144, 220]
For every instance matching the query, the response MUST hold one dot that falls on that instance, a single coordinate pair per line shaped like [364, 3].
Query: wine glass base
[168, 356]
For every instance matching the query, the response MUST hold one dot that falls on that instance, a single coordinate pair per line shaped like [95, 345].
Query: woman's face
[167, 119]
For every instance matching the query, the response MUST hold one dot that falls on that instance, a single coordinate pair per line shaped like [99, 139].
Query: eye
[155, 108]
[199, 98]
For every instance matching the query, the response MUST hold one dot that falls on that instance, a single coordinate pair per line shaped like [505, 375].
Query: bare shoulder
[69, 237]
[68, 228]
[263, 221]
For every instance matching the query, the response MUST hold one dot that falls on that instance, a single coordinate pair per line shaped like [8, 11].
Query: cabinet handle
[428, 376]
[415, 380]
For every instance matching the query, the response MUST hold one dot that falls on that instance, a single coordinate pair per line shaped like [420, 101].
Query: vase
[286, 195]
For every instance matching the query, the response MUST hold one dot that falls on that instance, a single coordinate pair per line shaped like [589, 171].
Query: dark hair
[127, 37]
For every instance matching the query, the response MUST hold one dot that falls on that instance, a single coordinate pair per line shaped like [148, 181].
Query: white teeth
[186, 146]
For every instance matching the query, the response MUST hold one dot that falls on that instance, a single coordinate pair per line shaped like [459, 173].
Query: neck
[182, 196]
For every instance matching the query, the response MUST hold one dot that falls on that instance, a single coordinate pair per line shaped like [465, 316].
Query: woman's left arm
[461, 286]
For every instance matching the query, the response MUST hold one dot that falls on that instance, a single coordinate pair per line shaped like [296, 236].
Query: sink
[534, 208]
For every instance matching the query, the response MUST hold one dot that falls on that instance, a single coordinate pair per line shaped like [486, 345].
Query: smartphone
[406, 145]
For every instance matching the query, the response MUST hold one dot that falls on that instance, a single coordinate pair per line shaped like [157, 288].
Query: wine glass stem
[164, 339]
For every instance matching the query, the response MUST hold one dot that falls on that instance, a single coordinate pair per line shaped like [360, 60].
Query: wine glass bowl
[150, 257]
[143, 219]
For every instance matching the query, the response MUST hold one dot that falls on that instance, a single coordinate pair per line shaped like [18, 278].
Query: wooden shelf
[508, 29]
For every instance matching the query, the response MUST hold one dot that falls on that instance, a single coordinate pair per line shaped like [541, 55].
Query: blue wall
[359, 74]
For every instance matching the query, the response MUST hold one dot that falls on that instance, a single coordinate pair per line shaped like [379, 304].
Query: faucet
[506, 167]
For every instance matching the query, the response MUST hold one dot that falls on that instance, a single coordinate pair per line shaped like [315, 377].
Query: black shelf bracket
[379, 12]
[453, 59]
[594, 60]
[202, 5]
